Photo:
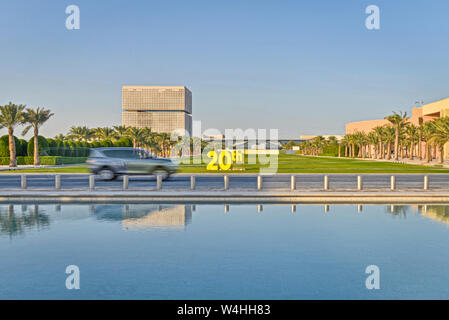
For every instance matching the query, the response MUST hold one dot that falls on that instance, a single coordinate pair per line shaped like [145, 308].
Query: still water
[151, 251]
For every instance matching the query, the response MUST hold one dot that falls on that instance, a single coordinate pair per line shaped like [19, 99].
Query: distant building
[311, 137]
[426, 112]
[161, 108]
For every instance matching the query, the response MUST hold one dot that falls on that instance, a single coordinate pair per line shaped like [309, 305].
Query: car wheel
[161, 172]
[106, 174]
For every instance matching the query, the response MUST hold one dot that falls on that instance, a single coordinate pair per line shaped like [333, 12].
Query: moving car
[109, 163]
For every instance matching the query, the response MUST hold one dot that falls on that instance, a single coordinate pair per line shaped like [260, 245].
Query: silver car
[109, 163]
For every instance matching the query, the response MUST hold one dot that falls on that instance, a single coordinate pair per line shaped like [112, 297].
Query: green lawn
[291, 164]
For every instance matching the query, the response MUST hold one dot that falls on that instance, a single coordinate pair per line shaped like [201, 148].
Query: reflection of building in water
[160, 217]
[435, 212]
[146, 215]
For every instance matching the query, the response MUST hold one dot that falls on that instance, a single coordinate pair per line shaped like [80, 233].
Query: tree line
[399, 139]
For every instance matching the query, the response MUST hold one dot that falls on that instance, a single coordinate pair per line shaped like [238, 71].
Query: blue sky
[305, 67]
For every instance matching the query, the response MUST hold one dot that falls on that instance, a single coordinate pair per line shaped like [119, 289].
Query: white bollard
[91, 182]
[359, 183]
[226, 182]
[326, 182]
[426, 182]
[293, 208]
[259, 208]
[158, 182]
[293, 183]
[23, 182]
[259, 182]
[125, 182]
[57, 182]
[393, 183]
[192, 183]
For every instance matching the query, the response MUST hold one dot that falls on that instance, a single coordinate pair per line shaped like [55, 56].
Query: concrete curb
[43, 196]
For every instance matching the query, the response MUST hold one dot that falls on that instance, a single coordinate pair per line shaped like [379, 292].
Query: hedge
[333, 151]
[45, 160]
[4, 145]
[42, 145]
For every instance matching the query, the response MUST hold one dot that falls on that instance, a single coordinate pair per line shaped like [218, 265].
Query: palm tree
[420, 133]
[80, 133]
[60, 137]
[35, 119]
[332, 140]
[318, 143]
[389, 136]
[440, 134]
[346, 143]
[412, 134]
[10, 116]
[120, 130]
[373, 141]
[379, 132]
[427, 133]
[105, 133]
[359, 139]
[136, 135]
[352, 141]
[399, 121]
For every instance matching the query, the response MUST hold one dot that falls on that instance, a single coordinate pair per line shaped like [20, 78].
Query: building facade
[161, 108]
[427, 112]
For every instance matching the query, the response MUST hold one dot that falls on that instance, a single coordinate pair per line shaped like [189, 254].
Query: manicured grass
[67, 169]
[307, 164]
[290, 164]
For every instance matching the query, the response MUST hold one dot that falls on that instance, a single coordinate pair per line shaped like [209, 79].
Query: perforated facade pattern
[162, 108]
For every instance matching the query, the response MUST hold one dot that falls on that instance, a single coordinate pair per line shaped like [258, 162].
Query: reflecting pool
[163, 251]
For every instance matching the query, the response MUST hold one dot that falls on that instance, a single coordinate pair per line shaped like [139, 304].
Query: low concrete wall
[222, 197]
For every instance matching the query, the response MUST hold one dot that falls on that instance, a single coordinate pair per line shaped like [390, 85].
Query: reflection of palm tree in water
[398, 210]
[13, 224]
[436, 212]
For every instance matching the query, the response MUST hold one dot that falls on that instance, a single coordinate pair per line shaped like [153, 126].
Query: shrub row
[50, 147]
[332, 150]
[45, 160]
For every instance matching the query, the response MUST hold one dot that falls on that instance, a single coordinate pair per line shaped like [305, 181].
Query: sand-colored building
[426, 111]
[161, 108]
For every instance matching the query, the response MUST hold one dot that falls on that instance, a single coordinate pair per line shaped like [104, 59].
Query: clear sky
[305, 67]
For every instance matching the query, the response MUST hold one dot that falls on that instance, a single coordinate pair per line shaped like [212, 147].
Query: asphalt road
[312, 182]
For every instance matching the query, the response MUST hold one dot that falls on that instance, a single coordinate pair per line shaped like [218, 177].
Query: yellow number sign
[225, 159]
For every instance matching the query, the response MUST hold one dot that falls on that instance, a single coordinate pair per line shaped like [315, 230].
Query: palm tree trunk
[412, 145]
[396, 145]
[379, 155]
[12, 148]
[441, 147]
[36, 148]
[339, 150]
[389, 151]
[420, 146]
[427, 151]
